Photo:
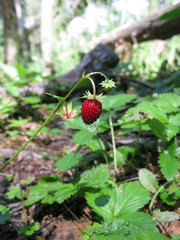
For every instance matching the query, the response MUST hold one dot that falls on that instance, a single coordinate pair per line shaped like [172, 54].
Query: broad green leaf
[82, 137]
[148, 180]
[169, 165]
[13, 90]
[172, 98]
[41, 191]
[117, 101]
[110, 237]
[31, 99]
[172, 147]
[172, 131]
[165, 216]
[68, 161]
[95, 177]
[141, 220]
[14, 192]
[5, 214]
[147, 110]
[55, 131]
[66, 191]
[116, 202]
[174, 119]
[95, 144]
[158, 129]
[77, 124]
[149, 235]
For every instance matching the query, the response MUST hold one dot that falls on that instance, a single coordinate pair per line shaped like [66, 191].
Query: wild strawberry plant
[125, 209]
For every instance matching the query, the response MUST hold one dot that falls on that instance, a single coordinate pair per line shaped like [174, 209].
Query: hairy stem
[113, 142]
[47, 120]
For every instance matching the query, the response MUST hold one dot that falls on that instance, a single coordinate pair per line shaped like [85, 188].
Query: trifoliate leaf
[116, 202]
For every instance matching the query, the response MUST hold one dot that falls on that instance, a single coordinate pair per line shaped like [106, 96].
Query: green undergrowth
[125, 210]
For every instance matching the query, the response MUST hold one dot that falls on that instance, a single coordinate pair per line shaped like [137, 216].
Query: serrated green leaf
[48, 199]
[17, 122]
[82, 137]
[116, 202]
[66, 191]
[172, 146]
[94, 177]
[141, 220]
[165, 216]
[31, 229]
[5, 214]
[42, 190]
[94, 144]
[169, 165]
[14, 192]
[117, 101]
[174, 119]
[110, 237]
[148, 180]
[68, 161]
[149, 235]
[169, 199]
[158, 129]
[171, 131]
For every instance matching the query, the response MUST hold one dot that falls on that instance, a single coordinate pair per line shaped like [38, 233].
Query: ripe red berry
[91, 110]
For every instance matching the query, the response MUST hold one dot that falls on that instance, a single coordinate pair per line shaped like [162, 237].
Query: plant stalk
[113, 143]
[40, 128]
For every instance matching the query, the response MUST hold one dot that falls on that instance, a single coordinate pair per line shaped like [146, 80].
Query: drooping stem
[93, 86]
[47, 120]
[113, 142]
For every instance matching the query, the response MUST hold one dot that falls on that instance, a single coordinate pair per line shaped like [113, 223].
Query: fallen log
[145, 29]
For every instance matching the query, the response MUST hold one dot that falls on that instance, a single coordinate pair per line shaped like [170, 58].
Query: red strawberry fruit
[91, 110]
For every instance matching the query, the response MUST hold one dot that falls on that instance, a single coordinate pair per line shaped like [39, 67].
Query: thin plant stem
[104, 154]
[93, 86]
[40, 128]
[156, 194]
[113, 142]
[135, 150]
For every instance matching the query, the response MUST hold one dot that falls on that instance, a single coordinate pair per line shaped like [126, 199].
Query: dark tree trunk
[10, 31]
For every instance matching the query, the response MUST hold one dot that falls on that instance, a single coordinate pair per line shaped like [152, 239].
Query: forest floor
[57, 221]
